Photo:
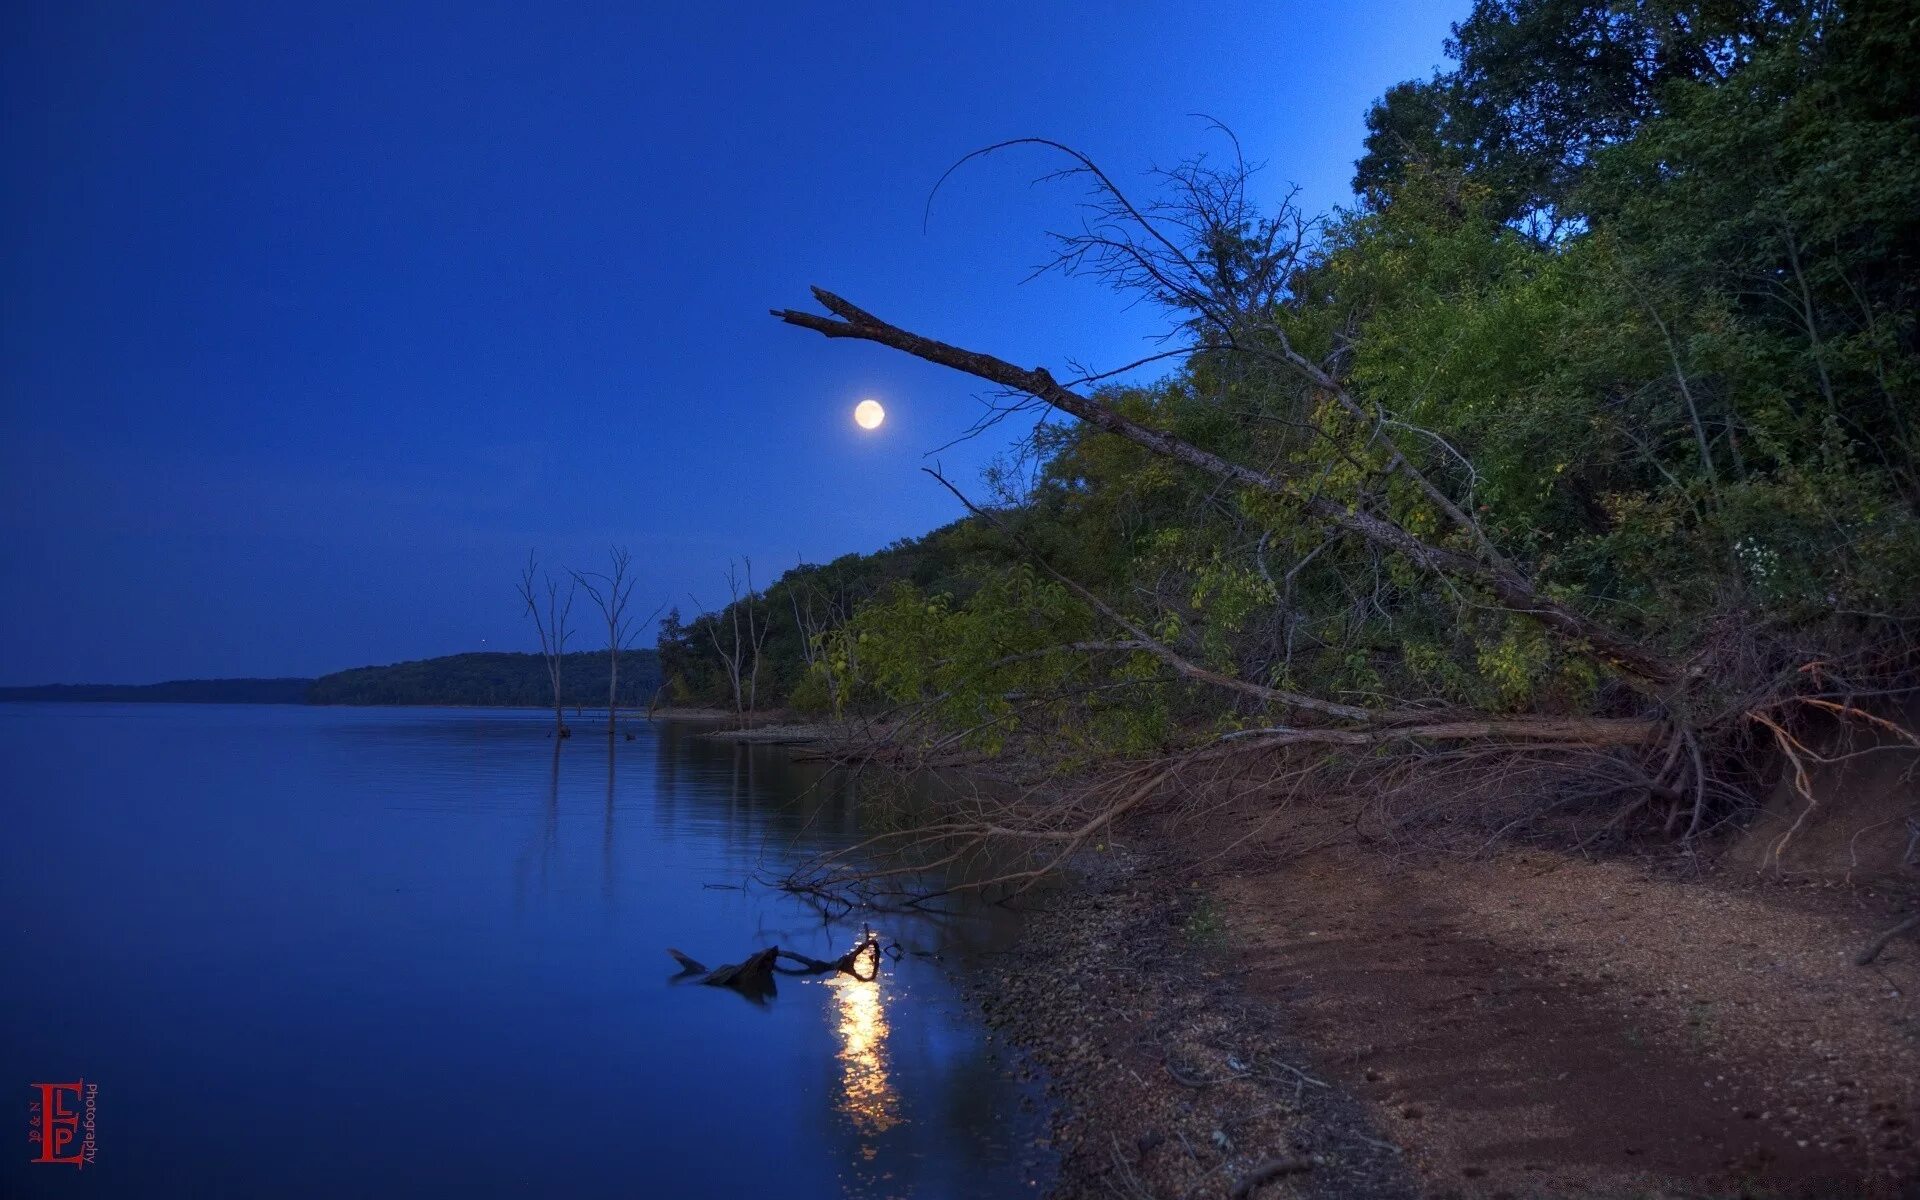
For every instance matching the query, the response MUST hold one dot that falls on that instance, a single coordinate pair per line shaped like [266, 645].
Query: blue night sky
[314, 319]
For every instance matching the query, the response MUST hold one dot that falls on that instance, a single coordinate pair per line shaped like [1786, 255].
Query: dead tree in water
[551, 625]
[610, 592]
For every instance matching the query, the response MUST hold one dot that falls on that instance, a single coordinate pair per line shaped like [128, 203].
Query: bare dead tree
[758, 623]
[550, 612]
[739, 631]
[728, 648]
[610, 592]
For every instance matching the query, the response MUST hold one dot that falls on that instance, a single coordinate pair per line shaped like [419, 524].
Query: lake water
[391, 952]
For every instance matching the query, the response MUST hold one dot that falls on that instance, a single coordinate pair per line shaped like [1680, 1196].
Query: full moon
[868, 414]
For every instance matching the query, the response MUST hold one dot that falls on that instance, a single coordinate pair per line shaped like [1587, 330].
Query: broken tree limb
[688, 966]
[1578, 731]
[1511, 589]
[846, 964]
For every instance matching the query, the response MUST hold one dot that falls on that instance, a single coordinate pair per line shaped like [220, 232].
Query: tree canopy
[1599, 403]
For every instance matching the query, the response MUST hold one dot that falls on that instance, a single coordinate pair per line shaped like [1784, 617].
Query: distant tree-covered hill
[178, 691]
[491, 679]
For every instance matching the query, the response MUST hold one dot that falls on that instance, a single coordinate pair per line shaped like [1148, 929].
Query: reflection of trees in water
[606, 829]
[782, 814]
[543, 851]
[762, 796]
[550, 842]
[751, 797]
[547, 843]
[771, 812]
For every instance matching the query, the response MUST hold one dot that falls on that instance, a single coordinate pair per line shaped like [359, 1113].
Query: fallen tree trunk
[1573, 731]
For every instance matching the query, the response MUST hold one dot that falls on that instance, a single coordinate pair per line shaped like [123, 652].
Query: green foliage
[1206, 925]
[1543, 86]
[1634, 284]
[802, 606]
[1002, 657]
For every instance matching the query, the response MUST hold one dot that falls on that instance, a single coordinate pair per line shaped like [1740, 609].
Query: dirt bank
[1524, 1025]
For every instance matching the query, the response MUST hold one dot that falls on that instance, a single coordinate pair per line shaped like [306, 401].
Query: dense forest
[1591, 423]
[493, 679]
[780, 637]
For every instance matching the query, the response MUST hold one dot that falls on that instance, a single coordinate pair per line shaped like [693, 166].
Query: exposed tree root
[1880, 943]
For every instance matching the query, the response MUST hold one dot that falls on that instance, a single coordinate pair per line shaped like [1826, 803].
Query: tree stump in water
[750, 974]
[752, 977]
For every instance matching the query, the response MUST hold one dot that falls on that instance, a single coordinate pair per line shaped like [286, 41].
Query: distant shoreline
[480, 679]
[20, 695]
[286, 690]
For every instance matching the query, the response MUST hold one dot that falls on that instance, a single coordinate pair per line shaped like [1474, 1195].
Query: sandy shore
[1530, 1025]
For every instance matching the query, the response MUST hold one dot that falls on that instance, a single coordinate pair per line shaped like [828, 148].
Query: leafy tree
[1595, 418]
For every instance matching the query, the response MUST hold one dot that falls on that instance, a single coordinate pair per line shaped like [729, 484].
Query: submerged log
[753, 974]
[757, 966]
[688, 966]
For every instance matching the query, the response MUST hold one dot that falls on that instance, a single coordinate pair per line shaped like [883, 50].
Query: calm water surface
[389, 952]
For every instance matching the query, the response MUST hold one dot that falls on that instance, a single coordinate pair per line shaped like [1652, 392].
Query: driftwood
[756, 968]
[846, 964]
[753, 976]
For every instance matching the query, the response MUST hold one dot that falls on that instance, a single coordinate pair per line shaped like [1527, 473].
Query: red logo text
[61, 1118]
